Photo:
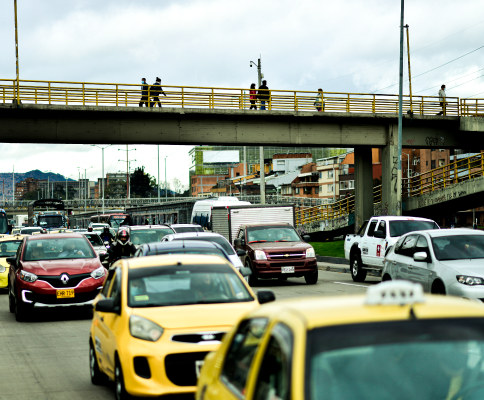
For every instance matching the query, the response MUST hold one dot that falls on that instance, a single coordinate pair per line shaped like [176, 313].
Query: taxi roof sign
[397, 292]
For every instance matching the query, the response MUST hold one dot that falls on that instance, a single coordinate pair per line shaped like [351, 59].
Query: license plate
[287, 270]
[65, 294]
[198, 367]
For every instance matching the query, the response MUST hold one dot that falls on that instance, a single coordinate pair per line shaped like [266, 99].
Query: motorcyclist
[106, 235]
[122, 247]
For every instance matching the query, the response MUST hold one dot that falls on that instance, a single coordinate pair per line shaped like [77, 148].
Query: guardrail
[472, 107]
[130, 95]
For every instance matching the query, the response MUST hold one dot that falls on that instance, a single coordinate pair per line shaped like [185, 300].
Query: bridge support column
[389, 195]
[363, 186]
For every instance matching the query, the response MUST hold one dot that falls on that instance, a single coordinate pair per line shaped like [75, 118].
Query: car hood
[197, 315]
[56, 267]
[466, 267]
[289, 246]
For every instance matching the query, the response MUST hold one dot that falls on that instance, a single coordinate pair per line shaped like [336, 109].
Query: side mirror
[107, 305]
[379, 234]
[265, 296]
[244, 271]
[241, 252]
[420, 256]
[12, 261]
[239, 242]
[306, 238]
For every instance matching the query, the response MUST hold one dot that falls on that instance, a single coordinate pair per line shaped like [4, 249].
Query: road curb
[332, 260]
[342, 270]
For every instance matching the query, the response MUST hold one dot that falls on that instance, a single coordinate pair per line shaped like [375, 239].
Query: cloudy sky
[341, 46]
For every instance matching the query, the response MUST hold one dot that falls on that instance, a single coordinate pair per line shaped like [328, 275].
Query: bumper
[466, 292]
[168, 367]
[4, 279]
[41, 295]
[271, 269]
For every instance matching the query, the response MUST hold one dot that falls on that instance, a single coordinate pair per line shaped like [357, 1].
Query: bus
[48, 214]
[114, 219]
[5, 225]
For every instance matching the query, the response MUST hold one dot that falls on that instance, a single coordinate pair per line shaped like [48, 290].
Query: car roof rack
[397, 292]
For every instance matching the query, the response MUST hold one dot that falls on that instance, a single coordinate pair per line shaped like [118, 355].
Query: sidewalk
[341, 268]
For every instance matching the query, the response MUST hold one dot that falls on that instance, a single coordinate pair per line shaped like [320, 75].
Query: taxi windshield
[404, 360]
[141, 236]
[399, 228]
[185, 284]
[458, 247]
[272, 234]
[8, 249]
[51, 249]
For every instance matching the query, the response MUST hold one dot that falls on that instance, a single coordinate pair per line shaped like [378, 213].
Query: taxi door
[104, 339]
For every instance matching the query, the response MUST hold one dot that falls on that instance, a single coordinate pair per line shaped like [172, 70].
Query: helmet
[89, 229]
[106, 230]
[123, 237]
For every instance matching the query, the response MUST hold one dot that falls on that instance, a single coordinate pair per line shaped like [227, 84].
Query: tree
[115, 189]
[177, 185]
[141, 183]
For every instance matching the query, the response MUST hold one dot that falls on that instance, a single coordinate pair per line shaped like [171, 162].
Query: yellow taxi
[158, 317]
[8, 248]
[394, 343]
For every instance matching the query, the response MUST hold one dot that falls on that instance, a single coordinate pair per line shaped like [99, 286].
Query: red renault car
[54, 270]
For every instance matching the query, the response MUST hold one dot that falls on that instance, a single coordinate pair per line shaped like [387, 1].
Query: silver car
[97, 242]
[446, 261]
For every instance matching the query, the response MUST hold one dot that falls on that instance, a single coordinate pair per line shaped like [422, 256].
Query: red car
[54, 270]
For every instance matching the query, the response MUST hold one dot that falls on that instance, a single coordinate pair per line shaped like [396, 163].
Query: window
[343, 185]
[408, 245]
[320, 175]
[296, 190]
[372, 227]
[415, 161]
[441, 163]
[241, 352]
[351, 184]
[432, 164]
[432, 149]
[361, 231]
[316, 190]
[382, 227]
[107, 282]
[281, 162]
[274, 379]
[422, 244]
[426, 163]
[330, 188]
[307, 190]
[330, 174]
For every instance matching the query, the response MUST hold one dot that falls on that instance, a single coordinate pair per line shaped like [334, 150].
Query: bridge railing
[472, 107]
[444, 176]
[130, 95]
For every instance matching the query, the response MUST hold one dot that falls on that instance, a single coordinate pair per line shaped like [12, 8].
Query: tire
[22, 313]
[97, 377]
[438, 288]
[312, 278]
[253, 280]
[386, 277]
[356, 268]
[120, 392]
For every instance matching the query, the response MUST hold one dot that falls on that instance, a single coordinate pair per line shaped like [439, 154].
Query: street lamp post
[400, 93]
[102, 179]
[16, 55]
[166, 184]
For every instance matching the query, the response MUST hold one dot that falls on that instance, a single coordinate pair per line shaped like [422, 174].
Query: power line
[393, 59]
[456, 79]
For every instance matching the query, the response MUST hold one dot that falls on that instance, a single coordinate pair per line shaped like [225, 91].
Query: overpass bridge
[82, 112]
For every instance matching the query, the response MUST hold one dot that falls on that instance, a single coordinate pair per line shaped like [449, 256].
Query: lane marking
[350, 284]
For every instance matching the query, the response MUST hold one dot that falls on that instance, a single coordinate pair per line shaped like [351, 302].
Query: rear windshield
[185, 284]
[141, 236]
[399, 228]
[420, 359]
[29, 231]
[50, 249]
[215, 239]
[8, 249]
[186, 229]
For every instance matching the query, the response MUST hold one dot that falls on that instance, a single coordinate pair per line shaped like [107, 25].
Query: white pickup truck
[366, 249]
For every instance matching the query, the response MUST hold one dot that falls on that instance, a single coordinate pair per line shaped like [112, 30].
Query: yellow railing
[120, 94]
[444, 176]
[472, 107]
[334, 210]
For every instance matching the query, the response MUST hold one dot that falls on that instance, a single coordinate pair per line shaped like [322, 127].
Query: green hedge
[329, 249]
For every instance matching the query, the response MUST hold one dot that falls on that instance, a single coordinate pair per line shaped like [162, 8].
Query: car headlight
[260, 255]
[28, 276]
[469, 280]
[143, 328]
[98, 273]
[2, 269]
[310, 253]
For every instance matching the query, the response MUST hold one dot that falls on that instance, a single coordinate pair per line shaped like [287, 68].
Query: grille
[285, 256]
[198, 337]
[55, 281]
[52, 299]
[181, 369]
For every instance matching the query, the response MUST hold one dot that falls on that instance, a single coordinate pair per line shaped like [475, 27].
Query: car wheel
[386, 277]
[253, 280]
[357, 272]
[438, 288]
[22, 313]
[312, 278]
[97, 377]
[11, 300]
[120, 392]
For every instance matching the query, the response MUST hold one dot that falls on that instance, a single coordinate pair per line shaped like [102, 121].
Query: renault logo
[64, 278]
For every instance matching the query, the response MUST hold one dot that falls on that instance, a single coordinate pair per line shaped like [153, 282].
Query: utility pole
[102, 180]
[16, 54]
[127, 171]
[262, 177]
[166, 184]
[13, 185]
[409, 71]
[158, 173]
[400, 91]
[245, 169]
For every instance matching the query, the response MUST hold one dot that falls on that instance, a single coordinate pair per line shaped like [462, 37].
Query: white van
[202, 210]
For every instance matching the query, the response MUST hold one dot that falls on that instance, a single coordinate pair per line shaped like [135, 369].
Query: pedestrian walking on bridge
[318, 101]
[442, 99]
[144, 93]
[253, 97]
[264, 95]
[156, 90]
